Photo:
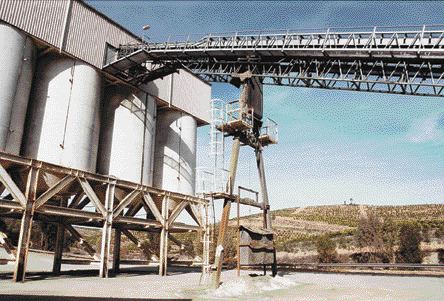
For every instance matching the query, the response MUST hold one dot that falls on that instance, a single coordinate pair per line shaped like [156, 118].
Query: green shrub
[326, 249]
[409, 244]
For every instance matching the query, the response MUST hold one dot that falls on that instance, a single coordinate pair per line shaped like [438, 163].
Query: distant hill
[297, 229]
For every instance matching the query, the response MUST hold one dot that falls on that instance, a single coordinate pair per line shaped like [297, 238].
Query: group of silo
[58, 109]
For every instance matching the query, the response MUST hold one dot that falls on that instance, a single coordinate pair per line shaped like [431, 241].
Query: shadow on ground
[124, 272]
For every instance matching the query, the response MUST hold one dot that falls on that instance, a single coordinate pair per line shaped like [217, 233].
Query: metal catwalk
[401, 60]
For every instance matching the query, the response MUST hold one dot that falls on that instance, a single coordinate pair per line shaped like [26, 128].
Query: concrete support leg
[26, 226]
[163, 260]
[116, 251]
[106, 231]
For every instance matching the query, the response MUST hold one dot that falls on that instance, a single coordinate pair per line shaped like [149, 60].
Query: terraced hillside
[297, 229]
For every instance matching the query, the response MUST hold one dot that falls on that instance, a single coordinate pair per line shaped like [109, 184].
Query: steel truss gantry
[28, 195]
[401, 60]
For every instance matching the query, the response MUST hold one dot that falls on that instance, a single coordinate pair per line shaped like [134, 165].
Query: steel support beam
[26, 225]
[264, 191]
[106, 231]
[163, 260]
[116, 250]
[87, 247]
[60, 240]
[219, 257]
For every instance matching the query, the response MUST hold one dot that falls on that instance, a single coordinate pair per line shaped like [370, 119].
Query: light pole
[145, 28]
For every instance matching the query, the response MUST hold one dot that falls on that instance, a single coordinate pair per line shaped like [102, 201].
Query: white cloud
[425, 130]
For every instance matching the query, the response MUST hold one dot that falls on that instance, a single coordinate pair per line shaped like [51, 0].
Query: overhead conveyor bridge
[400, 60]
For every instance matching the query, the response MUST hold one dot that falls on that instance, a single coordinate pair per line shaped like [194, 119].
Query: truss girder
[400, 77]
[388, 60]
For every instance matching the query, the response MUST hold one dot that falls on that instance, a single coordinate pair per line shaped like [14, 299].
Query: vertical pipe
[26, 226]
[66, 22]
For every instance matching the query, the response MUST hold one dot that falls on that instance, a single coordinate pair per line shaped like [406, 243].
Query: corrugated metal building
[77, 29]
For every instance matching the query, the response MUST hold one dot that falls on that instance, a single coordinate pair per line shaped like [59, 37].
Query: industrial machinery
[69, 101]
[401, 60]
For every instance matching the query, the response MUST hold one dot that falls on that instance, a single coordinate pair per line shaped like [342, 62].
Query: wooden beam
[26, 226]
[9, 184]
[51, 192]
[89, 191]
[106, 231]
[125, 202]
[150, 203]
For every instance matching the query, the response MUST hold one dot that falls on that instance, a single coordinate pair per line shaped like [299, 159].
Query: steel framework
[400, 60]
[27, 195]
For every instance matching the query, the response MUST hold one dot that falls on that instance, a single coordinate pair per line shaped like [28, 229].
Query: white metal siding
[87, 31]
[88, 34]
[191, 95]
[40, 18]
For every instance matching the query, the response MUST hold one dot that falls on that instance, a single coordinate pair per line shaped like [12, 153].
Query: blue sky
[334, 145]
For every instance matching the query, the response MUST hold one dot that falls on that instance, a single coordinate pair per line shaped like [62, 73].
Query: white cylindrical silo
[17, 56]
[63, 119]
[128, 128]
[175, 152]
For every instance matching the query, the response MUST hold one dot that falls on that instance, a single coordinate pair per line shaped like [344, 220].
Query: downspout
[66, 21]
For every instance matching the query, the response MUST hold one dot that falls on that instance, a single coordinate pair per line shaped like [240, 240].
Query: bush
[441, 256]
[439, 232]
[326, 248]
[409, 244]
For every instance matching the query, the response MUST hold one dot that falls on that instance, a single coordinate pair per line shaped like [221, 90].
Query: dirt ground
[144, 283]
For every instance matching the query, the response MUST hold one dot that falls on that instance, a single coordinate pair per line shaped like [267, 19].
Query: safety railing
[269, 132]
[235, 112]
[408, 36]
